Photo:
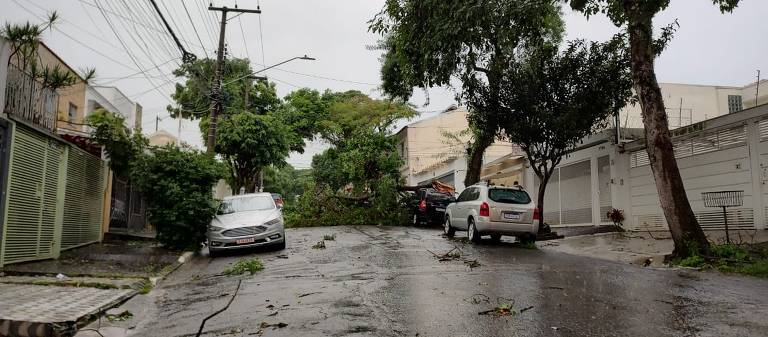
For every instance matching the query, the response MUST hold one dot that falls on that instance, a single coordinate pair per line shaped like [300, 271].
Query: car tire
[528, 238]
[472, 232]
[213, 253]
[415, 220]
[496, 238]
[448, 229]
[281, 245]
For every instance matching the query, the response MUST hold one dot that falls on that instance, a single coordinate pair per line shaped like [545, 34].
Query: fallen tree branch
[231, 299]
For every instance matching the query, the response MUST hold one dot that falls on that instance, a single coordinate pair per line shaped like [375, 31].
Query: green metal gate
[34, 197]
[84, 199]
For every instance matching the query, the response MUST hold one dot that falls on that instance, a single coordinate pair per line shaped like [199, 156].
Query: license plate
[440, 209]
[244, 241]
[511, 216]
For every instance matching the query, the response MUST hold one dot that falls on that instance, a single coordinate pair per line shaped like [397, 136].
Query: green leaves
[177, 184]
[122, 147]
[552, 99]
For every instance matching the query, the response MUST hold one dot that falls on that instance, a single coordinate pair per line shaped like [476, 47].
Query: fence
[128, 208]
[27, 99]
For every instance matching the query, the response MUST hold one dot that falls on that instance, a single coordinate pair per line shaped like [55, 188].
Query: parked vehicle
[247, 220]
[429, 206]
[495, 211]
[278, 200]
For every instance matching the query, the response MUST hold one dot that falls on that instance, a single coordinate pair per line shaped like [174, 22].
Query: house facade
[725, 153]
[435, 149]
[53, 189]
[687, 104]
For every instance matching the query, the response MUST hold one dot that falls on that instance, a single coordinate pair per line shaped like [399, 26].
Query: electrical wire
[114, 30]
[157, 31]
[194, 27]
[261, 35]
[242, 31]
[139, 42]
[77, 40]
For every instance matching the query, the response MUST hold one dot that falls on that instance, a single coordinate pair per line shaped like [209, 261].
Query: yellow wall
[74, 94]
[423, 143]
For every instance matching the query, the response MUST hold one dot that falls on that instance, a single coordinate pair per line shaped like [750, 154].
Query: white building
[729, 152]
[435, 149]
[130, 110]
[692, 103]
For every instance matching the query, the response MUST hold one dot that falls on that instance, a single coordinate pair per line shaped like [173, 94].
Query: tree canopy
[429, 43]
[552, 99]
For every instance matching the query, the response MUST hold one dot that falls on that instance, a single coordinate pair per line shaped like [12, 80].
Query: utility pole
[217, 104]
[157, 122]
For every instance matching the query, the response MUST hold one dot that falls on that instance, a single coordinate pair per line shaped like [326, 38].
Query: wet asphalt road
[382, 281]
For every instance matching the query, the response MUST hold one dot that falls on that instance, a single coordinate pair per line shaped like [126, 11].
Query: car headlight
[272, 222]
[215, 229]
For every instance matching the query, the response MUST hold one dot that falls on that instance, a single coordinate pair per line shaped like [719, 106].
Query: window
[246, 204]
[465, 195]
[72, 113]
[734, 103]
[508, 196]
[475, 194]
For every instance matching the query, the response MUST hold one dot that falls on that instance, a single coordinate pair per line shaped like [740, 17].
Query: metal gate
[84, 199]
[127, 208]
[4, 144]
[34, 193]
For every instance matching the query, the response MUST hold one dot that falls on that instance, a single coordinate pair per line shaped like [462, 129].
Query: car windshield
[259, 203]
[508, 196]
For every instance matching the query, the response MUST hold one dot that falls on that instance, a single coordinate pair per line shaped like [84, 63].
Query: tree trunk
[540, 199]
[475, 159]
[685, 229]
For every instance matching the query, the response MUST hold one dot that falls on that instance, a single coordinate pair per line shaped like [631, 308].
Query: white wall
[5, 53]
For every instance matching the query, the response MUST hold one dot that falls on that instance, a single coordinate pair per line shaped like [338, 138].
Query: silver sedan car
[248, 220]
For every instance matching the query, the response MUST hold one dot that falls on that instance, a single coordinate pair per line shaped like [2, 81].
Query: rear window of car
[441, 197]
[509, 196]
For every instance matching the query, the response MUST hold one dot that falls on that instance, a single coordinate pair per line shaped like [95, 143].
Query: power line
[201, 11]
[143, 41]
[242, 31]
[106, 17]
[76, 40]
[194, 27]
[261, 35]
[160, 31]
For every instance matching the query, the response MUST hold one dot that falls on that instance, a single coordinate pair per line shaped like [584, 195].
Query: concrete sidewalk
[638, 248]
[36, 310]
[56, 297]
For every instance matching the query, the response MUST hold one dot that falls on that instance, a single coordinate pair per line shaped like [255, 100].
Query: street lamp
[252, 74]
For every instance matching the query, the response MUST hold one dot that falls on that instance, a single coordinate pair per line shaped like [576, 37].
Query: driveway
[383, 281]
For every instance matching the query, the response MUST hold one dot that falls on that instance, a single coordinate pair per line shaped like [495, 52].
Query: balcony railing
[27, 99]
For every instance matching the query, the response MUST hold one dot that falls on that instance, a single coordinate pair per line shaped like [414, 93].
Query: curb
[70, 328]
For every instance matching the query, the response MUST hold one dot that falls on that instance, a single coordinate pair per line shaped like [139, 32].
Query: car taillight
[485, 210]
[423, 205]
[536, 214]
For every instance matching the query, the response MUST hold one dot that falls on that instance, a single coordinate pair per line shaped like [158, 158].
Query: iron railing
[28, 100]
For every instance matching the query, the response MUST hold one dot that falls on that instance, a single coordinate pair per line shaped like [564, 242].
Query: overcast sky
[709, 48]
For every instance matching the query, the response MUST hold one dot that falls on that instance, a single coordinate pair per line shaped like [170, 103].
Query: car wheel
[472, 232]
[281, 245]
[213, 253]
[496, 238]
[528, 238]
[448, 229]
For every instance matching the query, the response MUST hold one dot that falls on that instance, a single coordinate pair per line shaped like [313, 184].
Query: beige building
[162, 138]
[71, 109]
[692, 103]
[435, 149]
